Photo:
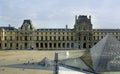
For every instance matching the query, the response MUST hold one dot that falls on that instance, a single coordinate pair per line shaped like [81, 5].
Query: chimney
[75, 19]
[90, 18]
[66, 26]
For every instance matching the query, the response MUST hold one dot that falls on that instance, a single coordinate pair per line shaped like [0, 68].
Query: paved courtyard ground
[9, 57]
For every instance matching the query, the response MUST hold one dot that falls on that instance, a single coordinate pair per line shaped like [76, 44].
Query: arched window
[46, 45]
[68, 45]
[63, 45]
[54, 45]
[37, 45]
[72, 45]
[59, 45]
[84, 45]
[41, 44]
[50, 45]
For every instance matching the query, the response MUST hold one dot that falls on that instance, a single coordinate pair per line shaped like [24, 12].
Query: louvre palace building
[82, 36]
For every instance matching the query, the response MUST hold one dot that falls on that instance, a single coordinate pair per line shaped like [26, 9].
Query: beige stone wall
[19, 39]
[55, 39]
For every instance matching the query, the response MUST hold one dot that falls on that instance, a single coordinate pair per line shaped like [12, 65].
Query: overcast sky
[58, 13]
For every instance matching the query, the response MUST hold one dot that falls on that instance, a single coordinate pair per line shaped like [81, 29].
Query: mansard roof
[83, 19]
[107, 30]
[7, 28]
[27, 22]
[54, 29]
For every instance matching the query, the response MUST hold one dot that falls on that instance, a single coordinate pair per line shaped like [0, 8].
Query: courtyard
[9, 57]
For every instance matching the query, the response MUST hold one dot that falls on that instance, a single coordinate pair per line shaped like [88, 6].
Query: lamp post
[56, 68]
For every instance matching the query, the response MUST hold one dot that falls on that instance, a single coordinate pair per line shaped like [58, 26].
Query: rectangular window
[16, 37]
[50, 37]
[41, 37]
[54, 37]
[25, 37]
[116, 37]
[79, 38]
[30, 37]
[5, 44]
[17, 45]
[10, 44]
[37, 45]
[0, 38]
[41, 33]
[37, 37]
[94, 38]
[67, 37]
[58, 37]
[89, 38]
[63, 38]
[71, 37]
[97, 37]
[21, 38]
[84, 37]
[10, 37]
[0, 45]
[45, 37]
[101, 37]
[54, 45]
[5, 38]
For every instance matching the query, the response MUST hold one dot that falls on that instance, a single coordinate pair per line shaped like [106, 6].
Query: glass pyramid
[106, 55]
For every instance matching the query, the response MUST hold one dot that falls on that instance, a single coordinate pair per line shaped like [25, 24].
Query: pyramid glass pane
[73, 61]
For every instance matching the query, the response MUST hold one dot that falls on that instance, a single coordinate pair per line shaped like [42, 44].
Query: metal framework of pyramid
[106, 54]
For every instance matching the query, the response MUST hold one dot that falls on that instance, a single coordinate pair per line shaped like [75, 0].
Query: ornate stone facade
[82, 36]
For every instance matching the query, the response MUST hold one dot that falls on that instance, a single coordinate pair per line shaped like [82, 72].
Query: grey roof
[28, 22]
[7, 28]
[59, 29]
[105, 55]
[83, 19]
